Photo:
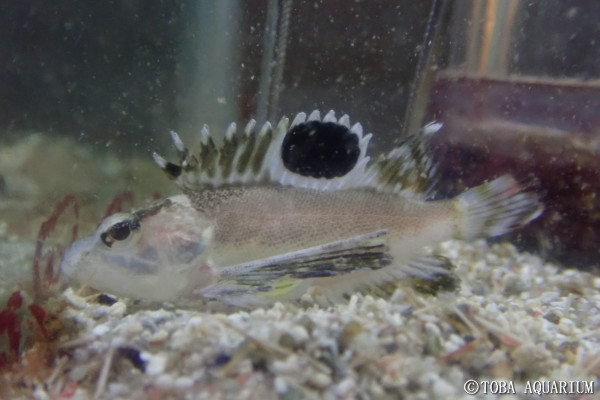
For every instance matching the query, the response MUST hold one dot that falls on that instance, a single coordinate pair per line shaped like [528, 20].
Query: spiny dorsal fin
[310, 152]
[408, 169]
[264, 155]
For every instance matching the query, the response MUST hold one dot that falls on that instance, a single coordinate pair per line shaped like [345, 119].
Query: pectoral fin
[287, 275]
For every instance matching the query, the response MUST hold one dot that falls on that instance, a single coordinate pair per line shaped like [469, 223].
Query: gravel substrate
[515, 319]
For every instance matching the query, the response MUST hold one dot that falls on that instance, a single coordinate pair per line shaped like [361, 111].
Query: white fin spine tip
[162, 163]
[177, 141]
[283, 124]
[204, 134]
[231, 129]
[330, 117]
[265, 128]
[300, 118]
[345, 120]
[250, 127]
[314, 116]
[357, 129]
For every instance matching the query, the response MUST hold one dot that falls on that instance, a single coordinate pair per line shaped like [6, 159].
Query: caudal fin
[495, 208]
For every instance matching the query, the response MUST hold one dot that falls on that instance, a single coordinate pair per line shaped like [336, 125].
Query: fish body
[274, 211]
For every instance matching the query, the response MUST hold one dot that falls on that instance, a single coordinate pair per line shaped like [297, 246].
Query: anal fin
[432, 274]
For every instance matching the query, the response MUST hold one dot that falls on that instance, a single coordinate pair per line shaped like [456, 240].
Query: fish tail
[495, 208]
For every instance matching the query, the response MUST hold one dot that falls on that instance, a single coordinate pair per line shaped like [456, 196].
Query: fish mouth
[72, 259]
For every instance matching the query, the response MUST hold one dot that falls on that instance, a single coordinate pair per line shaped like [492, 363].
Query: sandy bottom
[515, 320]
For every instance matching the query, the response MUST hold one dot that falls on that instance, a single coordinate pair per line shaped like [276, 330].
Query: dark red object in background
[549, 129]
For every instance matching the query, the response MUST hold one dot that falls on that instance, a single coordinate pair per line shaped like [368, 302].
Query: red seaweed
[10, 324]
[39, 314]
[116, 204]
[15, 301]
[17, 328]
[49, 270]
[46, 228]
[17, 324]
[22, 338]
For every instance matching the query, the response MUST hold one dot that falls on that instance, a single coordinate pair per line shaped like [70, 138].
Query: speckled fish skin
[253, 227]
[279, 220]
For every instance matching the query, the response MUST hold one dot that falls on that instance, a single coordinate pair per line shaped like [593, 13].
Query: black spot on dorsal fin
[320, 149]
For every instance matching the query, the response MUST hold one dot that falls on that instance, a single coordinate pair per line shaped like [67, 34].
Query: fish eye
[119, 231]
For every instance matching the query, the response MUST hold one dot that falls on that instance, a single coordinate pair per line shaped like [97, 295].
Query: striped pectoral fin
[287, 275]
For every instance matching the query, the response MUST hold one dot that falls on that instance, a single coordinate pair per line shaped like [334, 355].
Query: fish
[275, 210]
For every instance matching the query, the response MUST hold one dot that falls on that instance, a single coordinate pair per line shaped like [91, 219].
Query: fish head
[156, 253]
